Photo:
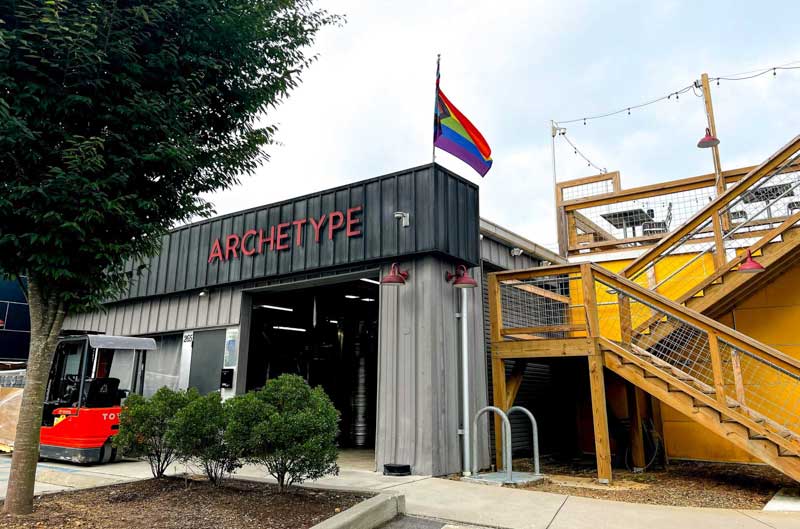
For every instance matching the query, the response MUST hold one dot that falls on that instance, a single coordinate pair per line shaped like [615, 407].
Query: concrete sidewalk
[459, 502]
[473, 504]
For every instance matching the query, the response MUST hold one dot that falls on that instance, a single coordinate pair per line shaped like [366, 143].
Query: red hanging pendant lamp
[708, 140]
[750, 265]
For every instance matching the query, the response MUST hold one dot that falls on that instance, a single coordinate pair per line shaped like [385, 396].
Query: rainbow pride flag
[454, 133]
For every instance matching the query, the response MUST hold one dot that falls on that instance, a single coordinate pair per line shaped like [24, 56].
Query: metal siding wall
[499, 254]
[419, 371]
[537, 380]
[178, 312]
[444, 219]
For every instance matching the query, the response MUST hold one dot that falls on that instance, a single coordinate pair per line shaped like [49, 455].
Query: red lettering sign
[277, 238]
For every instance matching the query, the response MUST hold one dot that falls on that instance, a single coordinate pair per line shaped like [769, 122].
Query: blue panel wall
[16, 326]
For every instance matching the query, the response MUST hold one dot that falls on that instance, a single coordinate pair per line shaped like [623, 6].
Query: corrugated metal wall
[537, 380]
[162, 314]
[444, 218]
[499, 255]
[419, 371]
[182, 311]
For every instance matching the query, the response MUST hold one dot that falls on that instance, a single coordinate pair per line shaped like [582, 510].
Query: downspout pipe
[465, 383]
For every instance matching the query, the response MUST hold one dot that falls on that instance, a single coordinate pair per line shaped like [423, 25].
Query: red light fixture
[461, 278]
[395, 277]
[708, 140]
[750, 265]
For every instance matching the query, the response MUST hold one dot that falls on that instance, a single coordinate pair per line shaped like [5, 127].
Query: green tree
[115, 115]
[288, 427]
[146, 427]
[198, 433]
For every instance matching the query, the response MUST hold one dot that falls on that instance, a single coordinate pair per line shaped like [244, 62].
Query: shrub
[287, 427]
[145, 423]
[197, 432]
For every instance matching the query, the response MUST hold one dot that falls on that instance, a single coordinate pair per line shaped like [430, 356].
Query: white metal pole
[465, 383]
[435, 103]
[553, 132]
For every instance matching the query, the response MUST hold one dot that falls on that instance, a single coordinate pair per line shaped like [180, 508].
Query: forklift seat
[102, 393]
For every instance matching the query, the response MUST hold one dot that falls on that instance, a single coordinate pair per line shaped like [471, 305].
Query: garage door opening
[327, 334]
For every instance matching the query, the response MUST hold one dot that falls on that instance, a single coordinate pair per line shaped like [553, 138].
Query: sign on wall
[281, 236]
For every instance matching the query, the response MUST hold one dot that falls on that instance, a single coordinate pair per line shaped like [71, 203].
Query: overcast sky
[365, 108]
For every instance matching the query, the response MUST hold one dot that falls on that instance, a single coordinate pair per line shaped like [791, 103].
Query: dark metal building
[293, 287]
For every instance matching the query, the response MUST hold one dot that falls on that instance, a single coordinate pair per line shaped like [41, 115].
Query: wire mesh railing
[751, 210]
[578, 301]
[688, 349]
[542, 307]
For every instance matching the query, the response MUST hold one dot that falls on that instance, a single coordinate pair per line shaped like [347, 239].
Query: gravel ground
[685, 484]
[170, 504]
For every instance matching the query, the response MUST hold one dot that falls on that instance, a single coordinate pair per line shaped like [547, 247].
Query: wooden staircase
[752, 432]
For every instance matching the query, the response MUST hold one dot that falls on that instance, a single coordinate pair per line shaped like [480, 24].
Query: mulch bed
[682, 483]
[170, 504]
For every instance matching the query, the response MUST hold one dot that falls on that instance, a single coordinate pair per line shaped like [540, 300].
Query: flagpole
[436, 102]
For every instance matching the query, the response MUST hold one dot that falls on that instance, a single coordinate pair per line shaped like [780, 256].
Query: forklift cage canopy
[102, 341]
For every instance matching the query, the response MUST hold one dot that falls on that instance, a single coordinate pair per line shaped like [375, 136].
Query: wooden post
[498, 366]
[499, 400]
[658, 421]
[736, 365]
[719, 243]
[636, 408]
[590, 301]
[602, 444]
[716, 368]
[712, 126]
[625, 322]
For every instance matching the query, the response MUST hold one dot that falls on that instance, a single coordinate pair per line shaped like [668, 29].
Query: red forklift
[90, 377]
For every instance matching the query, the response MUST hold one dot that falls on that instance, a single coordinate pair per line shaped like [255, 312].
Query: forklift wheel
[108, 454]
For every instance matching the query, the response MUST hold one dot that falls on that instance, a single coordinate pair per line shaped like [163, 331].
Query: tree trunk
[47, 317]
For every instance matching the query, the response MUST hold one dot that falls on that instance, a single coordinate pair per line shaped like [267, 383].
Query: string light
[694, 86]
[741, 76]
[627, 109]
[576, 150]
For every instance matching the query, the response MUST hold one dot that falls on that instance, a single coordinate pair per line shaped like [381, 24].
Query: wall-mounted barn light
[203, 293]
[461, 278]
[395, 277]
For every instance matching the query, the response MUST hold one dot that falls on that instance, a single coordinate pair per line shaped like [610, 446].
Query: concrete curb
[368, 514]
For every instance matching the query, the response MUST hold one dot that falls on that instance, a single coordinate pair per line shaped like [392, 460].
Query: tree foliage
[198, 434]
[146, 424]
[115, 115]
[288, 427]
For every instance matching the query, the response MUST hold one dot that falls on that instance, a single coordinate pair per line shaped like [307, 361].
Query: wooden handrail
[709, 325]
[670, 307]
[654, 190]
[530, 273]
[713, 207]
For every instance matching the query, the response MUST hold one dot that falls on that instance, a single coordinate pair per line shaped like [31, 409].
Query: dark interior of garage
[327, 334]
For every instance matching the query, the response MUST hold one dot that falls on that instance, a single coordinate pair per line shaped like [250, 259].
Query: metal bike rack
[506, 438]
[535, 435]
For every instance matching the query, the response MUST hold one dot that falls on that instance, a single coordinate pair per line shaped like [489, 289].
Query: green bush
[287, 427]
[197, 433]
[144, 427]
